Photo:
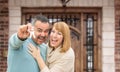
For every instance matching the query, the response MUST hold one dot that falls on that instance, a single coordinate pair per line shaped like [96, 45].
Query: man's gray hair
[39, 18]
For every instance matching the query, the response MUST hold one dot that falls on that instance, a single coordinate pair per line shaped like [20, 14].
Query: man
[19, 60]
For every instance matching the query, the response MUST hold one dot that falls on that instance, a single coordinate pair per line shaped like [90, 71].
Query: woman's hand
[34, 51]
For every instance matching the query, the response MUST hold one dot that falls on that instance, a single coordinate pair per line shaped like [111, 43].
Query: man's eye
[39, 30]
[46, 31]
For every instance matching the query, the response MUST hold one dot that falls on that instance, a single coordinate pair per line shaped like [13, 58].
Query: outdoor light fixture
[64, 2]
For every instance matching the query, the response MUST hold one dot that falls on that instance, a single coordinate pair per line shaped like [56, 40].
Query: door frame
[98, 10]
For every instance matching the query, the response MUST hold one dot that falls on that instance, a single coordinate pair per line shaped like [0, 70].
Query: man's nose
[42, 33]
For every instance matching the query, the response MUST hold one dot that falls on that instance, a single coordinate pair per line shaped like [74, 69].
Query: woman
[60, 55]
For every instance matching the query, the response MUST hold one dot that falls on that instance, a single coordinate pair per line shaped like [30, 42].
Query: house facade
[94, 25]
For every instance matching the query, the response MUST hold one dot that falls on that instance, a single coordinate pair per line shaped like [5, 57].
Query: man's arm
[17, 39]
[15, 42]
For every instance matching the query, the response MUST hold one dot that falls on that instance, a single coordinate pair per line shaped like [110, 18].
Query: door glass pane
[89, 46]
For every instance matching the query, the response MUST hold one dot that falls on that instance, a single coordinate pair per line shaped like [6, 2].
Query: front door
[85, 26]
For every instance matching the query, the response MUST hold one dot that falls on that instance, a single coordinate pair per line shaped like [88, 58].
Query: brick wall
[3, 34]
[117, 35]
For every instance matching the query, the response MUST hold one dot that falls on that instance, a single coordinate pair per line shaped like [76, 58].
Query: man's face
[41, 30]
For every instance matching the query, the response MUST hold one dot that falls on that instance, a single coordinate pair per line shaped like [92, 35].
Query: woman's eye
[52, 31]
[59, 33]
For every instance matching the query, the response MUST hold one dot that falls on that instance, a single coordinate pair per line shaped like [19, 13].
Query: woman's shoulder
[70, 50]
[70, 53]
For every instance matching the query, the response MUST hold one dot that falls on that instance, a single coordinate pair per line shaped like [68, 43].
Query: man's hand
[23, 32]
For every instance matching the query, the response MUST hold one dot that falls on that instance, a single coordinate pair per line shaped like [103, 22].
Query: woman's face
[56, 38]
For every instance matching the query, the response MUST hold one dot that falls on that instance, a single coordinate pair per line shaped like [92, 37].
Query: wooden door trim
[73, 10]
[60, 9]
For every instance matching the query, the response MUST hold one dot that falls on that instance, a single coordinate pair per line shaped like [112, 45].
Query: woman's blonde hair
[64, 29]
